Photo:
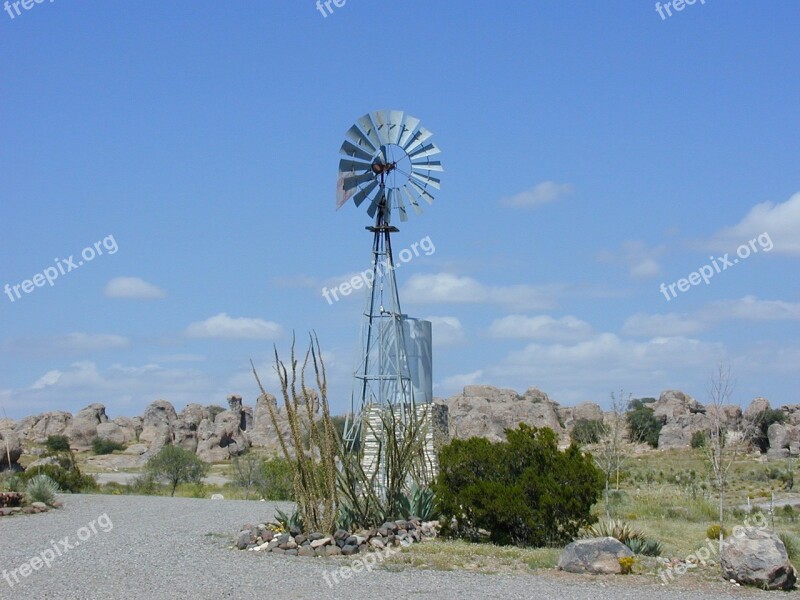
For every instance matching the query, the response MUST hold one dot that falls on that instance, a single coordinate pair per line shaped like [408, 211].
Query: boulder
[757, 557]
[112, 432]
[758, 405]
[221, 439]
[596, 556]
[131, 428]
[157, 425]
[83, 428]
[47, 424]
[673, 403]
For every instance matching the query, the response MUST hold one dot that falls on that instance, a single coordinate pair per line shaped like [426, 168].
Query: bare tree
[726, 440]
[612, 452]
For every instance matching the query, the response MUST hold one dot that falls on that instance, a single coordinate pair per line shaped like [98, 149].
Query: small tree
[643, 425]
[588, 431]
[176, 465]
[57, 443]
[613, 451]
[247, 472]
[725, 441]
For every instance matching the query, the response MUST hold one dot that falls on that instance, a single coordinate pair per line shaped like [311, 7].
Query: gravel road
[153, 548]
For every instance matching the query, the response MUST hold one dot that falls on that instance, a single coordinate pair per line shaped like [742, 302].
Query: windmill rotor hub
[381, 168]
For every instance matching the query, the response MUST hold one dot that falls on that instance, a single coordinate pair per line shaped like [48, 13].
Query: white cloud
[222, 326]
[447, 331]
[637, 257]
[455, 289]
[751, 308]
[781, 223]
[541, 327]
[48, 379]
[132, 288]
[456, 383]
[670, 324]
[542, 193]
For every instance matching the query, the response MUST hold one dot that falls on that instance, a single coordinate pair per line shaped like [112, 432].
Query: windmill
[389, 166]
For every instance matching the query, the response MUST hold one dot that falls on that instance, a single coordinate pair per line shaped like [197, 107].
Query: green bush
[712, 533]
[57, 443]
[105, 446]
[788, 512]
[176, 465]
[524, 491]
[42, 488]
[643, 425]
[277, 479]
[588, 431]
[699, 439]
[145, 485]
[69, 478]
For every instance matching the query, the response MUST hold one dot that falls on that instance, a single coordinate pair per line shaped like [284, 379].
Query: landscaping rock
[243, 540]
[596, 556]
[756, 557]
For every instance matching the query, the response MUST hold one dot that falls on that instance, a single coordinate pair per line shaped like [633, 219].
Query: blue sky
[592, 152]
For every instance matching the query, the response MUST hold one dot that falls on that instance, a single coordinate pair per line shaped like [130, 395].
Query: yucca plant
[635, 539]
[42, 489]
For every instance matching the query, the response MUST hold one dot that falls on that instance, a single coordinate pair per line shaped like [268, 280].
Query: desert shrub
[57, 443]
[276, 480]
[176, 465]
[626, 564]
[792, 545]
[11, 481]
[66, 474]
[699, 439]
[761, 422]
[635, 539]
[105, 446]
[643, 425]
[788, 512]
[712, 533]
[588, 431]
[42, 488]
[524, 491]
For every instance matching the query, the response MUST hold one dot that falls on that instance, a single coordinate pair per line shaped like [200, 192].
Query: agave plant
[42, 488]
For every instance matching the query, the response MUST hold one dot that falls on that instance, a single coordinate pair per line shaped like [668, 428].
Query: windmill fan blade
[354, 151]
[412, 200]
[419, 138]
[368, 127]
[352, 182]
[421, 191]
[353, 167]
[428, 165]
[357, 137]
[395, 123]
[424, 151]
[365, 192]
[408, 127]
[427, 180]
[389, 194]
[401, 208]
[373, 208]
[341, 195]
[381, 120]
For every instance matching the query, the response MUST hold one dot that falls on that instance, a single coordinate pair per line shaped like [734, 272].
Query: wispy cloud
[132, 288]
[542, 193]
[540, 327]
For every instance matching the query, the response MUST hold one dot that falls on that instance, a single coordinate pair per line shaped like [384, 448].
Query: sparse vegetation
[588, 431]
[57, 443]
[42, 488]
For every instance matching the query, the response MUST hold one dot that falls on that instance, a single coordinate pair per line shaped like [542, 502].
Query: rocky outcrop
[596, 556]
[157, 423]
[757, 557]
[47, 424]
[83, 428]
[485, 411]
[757, 406]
